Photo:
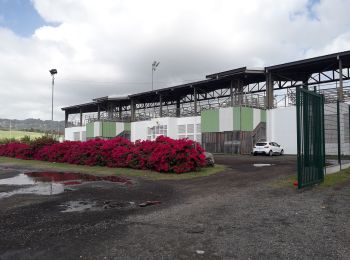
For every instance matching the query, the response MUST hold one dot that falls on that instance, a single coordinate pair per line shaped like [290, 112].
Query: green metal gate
[310, 136]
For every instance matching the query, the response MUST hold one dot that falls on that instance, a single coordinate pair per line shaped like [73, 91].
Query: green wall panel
[108, 129]
[127, 127]
[90, 130]
[247, 119]
[263, 116]
[236, 118]
[210, 121]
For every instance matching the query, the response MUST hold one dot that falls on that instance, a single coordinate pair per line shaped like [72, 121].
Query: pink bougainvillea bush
[162, 155]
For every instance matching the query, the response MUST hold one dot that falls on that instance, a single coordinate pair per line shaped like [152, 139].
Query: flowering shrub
[17, 150]
[162, 155]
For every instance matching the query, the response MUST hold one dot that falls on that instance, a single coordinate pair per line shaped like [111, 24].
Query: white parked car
[268, 148]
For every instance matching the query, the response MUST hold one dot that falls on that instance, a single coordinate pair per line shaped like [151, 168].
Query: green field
[18, 134]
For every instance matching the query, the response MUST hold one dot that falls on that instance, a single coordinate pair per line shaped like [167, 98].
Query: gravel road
[241, 213]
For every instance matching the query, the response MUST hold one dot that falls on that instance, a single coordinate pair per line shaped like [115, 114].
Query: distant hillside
[34, 125]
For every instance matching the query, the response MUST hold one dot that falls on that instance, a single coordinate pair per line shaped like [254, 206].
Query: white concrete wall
[69, 133]
[281, 127]
[256, 117]
[139, 129]
[226, 119]
[119, 128]
[97, 128]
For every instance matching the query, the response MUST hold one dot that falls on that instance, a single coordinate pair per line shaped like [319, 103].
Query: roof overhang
[302, 69]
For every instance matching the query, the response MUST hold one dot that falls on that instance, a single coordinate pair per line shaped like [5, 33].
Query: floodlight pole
[52, 72]
[152, 76]
[154, 67]
[53, 86]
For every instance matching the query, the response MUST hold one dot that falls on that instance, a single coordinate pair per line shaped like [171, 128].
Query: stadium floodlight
[155, 64]
[53, 72]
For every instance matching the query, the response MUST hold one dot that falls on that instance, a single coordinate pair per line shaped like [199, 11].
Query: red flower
[162, 155]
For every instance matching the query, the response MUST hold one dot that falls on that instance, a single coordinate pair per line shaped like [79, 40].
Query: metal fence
[323, 128]
[310, 135]
[337, 138]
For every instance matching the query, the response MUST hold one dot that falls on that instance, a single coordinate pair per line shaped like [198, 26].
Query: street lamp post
[154, 67]
[53, 72]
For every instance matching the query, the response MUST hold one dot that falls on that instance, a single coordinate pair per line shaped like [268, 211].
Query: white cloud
[99, 42]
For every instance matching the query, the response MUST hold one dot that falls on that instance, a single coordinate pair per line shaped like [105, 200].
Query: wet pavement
[237, 214]
[51, 183]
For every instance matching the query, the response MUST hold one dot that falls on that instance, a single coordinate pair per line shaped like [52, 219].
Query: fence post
[323, 136]
[338, 133]
[349, 122]
[298, 105]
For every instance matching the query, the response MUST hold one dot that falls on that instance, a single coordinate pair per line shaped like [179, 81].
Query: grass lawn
[330, 180]
[18, 134]
[99, 170]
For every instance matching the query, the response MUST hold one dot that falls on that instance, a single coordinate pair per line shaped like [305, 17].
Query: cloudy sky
[106, 47]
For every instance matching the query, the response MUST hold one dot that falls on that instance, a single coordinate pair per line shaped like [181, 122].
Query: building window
[76, 136]
[190, 128]
[181, 129]
[190, 131]
[158, 130]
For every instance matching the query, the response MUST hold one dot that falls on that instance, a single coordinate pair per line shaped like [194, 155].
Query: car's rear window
[261, 144]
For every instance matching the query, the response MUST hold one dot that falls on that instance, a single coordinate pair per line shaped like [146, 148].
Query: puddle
[77, 206]
[262, 164]
[86, 205]
[52, 183]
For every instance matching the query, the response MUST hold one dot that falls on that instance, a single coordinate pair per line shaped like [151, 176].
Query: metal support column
[120, 111]
[269, 90]
[66, 115]
[340, 89]
[98, 112]
[195, 100]
[231, 93]
[160, 106]
[110, 112]
[306, 84]
[132, 108]
[81, 117]
[178, 108]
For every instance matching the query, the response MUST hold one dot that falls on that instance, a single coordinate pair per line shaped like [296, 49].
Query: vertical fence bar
[349, 122]
[299, 137]
[338, 133]
[323, 135]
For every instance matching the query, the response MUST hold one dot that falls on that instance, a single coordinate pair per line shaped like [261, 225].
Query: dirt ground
[241, 213]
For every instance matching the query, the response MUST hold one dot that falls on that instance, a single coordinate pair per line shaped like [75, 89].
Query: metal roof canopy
[86, 108]
[292, 71]
[302, 69]
[213, 82]
[221, 80]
